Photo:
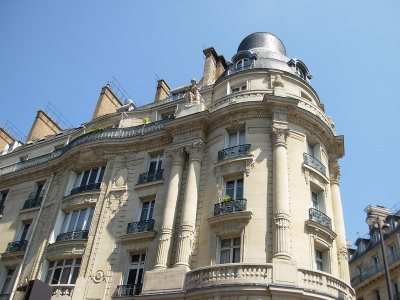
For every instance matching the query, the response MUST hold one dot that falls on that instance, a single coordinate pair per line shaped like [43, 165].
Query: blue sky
[65, 51]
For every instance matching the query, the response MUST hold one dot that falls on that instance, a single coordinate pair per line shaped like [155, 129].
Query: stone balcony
[62, 291]
[128, 290]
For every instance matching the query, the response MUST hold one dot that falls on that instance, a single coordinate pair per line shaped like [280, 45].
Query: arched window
[242, 63]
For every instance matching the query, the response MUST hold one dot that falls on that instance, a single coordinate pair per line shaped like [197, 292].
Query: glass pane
[48, 276]
[230, 189]
[72, 223]
[89, 221]
[159, 166]
[39, 190]
[51, 264]
[64, 225]
[244, 88]
[56, 276]
[101, 175]
[74, 275]
[239, 189]
[135, 258]
[225, 256]
[150, 216]
[93, 175]
[233, 138]
[140, 277]
[69, 261]
[145, 210]
[236, 255]
[60, 263]
[242, 137]
[153, 166]
[236, 241]
[7, 286]
[225, 243]
[310, 149]
[25, 232]
[65, 275]
[81, 219]
[132, 276]
[85, 177]
[143, 257]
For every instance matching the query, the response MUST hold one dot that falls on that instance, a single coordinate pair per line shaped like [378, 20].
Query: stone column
[281, 194]
[334, 173]
[188, 220]
[165, 235]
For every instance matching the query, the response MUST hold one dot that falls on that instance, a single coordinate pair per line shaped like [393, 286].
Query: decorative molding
[229, 99]
[225, 225]
[279, 136]
[322, 231]
[196, 151]
[334, 172]
[138, 237]
[239, 164]
[177, 155]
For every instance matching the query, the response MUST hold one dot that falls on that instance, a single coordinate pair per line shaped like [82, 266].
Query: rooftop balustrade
[108, 133]
[73, 235]
[229, 206]
[234, 151]
[128, 290]
[240, 69]
[320, 217]
[16, 246]
[140, 226]
[315, 163]
[151, 176]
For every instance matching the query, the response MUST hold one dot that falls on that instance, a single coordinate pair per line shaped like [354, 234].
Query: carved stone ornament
[177, 155]
[98, 277]
[282, 219]
[242, 166]
[279, 136]
[278, 82]
[115, 201]
[334, 172]
[196, 151]
[192, 93]
[87, 155]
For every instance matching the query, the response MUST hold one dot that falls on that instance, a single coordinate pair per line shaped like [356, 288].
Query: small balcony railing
[320, 217]
[128, 290]
[151, 176]
[73, 235]
[33, 201]
[243, 68]
[234, 151]
[315, 163]
[87, 187]
[4, 296]
[230, 206]
[140, 226]
[16, 246]
[1, 209]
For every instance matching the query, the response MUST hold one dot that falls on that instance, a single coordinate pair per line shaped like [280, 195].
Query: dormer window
[361, 247]
[300, 72]
[242, 63]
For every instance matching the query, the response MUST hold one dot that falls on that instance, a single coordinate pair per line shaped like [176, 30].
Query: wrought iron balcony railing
[73, 235]
[4, 296]
[239, 69]
[87, 187]
[230, 206]
[315, 163]
[320, 217]
[16, 246]
[108, 133]
[174, 97]
[1, 209]
[33, 200]
[234, 151]
[128, 290]
[151, 176]
[140, 226]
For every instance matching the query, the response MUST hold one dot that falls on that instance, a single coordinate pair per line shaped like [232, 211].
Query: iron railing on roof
[108, 133]
[240, 69]
[313, 162]
[174, 97]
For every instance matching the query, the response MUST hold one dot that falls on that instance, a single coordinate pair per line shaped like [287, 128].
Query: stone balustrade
[63, 291]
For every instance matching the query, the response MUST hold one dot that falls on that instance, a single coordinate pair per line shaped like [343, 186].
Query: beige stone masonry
[107, 102]
[5, 138]
[162, 91]
[43, 126]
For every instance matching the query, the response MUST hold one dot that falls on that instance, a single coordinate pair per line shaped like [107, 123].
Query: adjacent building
[366, 261]
[225, 188]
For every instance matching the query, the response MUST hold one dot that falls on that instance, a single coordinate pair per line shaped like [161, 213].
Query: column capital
[279, 136]
[177, 155]
[196, 151]
[334, 172]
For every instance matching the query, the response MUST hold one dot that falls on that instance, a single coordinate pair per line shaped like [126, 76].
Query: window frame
[98, 179]
[131, 265]
[150, 210]
[241, 63]
[53, 266]
[159, 161]
[235, 187]
[3, 197]
[8, 282]
[231, 249]
[66, 222]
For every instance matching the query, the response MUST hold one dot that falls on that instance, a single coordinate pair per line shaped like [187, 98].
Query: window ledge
[149, 183]
[15, 255]
[28, 210]
[86, 193]
[65, 249]
[315, 171]
[138, 237]
[228, 224]
[321, 229]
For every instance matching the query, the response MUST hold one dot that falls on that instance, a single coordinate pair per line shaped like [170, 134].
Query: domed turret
[264, 40]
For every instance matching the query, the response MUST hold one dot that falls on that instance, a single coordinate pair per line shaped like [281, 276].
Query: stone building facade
[226, 188]
[366, 260]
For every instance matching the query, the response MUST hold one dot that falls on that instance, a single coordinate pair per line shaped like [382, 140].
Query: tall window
[77, 220]
[3, 196]
[155, 163]
[237, 138]
[22, 237]
[230, 250]
[319, 262]
[314, 201]
[147, 211]
[63, 271]
[377, 295]
[234, 188]
[310, 149]
[8, 282]
[135, 276]
[375, 263]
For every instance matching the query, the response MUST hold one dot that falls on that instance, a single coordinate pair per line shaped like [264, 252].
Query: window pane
[145, 210]
[65, 275]
[135, 258]
[239, 189]
[93, 175]
[101, 175]
[236, 241]
[56, 276]
[48, 276]
[74, 275]
[310, 149]
[25, 232]
[140, 276]
[143, 257]
[78, 261]
[89, 221]
[85, 177]
[225, 243]
[159, 166]
[64, 225]
[72, 223]
[81, 219]
[242, 137]
[132, 277]
[150, 215]
[60, 263]
[225, 256]
[233, 138]
[230, 189]
[236, 255]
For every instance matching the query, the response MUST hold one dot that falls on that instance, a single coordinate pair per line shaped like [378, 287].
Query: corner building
[226, 188]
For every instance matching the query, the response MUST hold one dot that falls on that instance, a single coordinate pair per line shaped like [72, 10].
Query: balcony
[320, 217]
[374, 269]
[128, 290]
[234, 151]
[230, 206]
[151, 176]
[62, 290]
[16, 246]
[84, 188]
[4, 296]
[140, 226]
[73, 235]
[315, 163]
[33, 200]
